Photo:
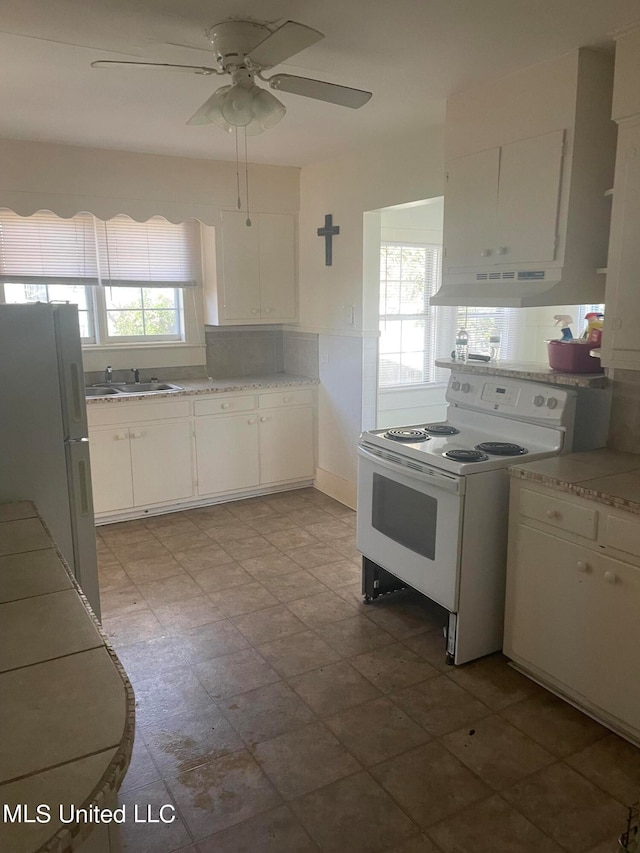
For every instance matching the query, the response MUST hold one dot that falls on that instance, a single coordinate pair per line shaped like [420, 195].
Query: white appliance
[43, 429]
[433, 499]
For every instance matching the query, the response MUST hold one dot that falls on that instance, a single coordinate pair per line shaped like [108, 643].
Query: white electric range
[433, 499]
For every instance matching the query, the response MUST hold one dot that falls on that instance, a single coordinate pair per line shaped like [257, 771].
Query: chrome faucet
[136, 375]
[108, 374]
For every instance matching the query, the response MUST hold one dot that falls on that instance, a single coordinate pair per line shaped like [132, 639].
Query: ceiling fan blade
[344, 96]
[166, 66]
[284, 42]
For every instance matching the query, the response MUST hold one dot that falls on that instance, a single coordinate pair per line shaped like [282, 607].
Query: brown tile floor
[279, 714]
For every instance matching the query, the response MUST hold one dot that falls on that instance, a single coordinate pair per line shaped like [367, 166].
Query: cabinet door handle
[502, 250]
[224, 406]
[286, 399]
[254, 311]
[136, 435]
[264, 418]
[552, 513]
[610, 577]
[121, 436]
[268, 310]
[485, 253]
[251, 421]
[581, 566]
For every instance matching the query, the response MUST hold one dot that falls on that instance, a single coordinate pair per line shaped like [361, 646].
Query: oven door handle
[430, 475]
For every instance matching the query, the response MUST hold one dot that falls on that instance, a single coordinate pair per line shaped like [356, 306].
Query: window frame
[188, 310]
[430, 344]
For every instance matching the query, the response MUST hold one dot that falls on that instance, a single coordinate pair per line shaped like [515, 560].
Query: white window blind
[48, 249]
[156, 253]
[479, 321]
[84, 250]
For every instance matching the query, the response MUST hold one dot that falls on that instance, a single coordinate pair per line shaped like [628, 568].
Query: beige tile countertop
[66, 704]
[215, 386]
[532, 370]
[607, 476]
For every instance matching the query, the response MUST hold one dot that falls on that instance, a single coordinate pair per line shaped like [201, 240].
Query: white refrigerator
[43, 429]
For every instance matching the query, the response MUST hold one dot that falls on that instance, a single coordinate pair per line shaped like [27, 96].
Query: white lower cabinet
[161, 462]
[286, 444]
[140, 465]
[111, 469]
[151, 455]
[572, 611]
[227, 453]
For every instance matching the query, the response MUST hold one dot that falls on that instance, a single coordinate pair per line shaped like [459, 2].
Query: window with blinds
[409, 333]
[126, 276]
[413, 334]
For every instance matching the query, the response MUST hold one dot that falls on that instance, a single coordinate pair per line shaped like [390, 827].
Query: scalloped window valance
[119, 252]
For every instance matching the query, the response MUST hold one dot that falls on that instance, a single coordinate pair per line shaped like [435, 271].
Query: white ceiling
[410, 53]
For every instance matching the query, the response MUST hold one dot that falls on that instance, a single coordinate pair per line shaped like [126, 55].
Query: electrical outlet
[324, 358]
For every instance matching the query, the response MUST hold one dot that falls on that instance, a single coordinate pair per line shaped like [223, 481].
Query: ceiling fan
[244, 50]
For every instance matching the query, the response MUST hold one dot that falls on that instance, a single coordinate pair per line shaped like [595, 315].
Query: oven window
[405, 515]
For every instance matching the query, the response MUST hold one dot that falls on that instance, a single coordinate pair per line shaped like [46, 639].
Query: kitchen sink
[130, 388]
[146, 387]
[100, 391]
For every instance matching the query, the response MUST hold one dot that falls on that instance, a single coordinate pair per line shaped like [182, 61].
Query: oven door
[410, 523]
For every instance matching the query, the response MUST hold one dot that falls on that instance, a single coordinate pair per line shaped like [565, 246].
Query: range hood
[520, 288]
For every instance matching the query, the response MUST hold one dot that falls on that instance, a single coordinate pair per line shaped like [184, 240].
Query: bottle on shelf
[462, 345]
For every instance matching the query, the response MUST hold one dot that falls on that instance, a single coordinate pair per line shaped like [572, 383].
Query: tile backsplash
[624, 427]
[164, 374]
[238, 351]
[247, 351]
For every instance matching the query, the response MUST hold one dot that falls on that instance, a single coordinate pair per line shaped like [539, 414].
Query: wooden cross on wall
[328, 232]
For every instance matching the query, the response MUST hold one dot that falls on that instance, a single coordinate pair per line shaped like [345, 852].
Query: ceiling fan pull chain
[238, 171]
[246, 175]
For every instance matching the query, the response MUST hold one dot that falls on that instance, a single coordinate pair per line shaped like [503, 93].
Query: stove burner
[406, 435]
[501, 448]
[466, 455]
[440, 429]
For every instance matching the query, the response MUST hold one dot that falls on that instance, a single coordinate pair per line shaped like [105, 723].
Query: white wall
[408, 169]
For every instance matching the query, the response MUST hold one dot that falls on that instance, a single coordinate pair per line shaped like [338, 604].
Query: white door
[277, 266]
[111, 469]
[549, 604]
[615, 639]
[470, 203]
[227, 453]
[286, 444]
[161, 461]
[241, 267]
[528, 198]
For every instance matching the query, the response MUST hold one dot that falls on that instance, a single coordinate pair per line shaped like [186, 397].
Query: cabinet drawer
[623, 534]
[560, 514]
[124, 413]
[220, 405]
[285, 398]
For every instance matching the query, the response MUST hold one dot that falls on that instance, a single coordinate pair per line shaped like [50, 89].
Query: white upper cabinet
[470, 209]
[250, 271]
[527, 222]
[620, 339]
[528, 160]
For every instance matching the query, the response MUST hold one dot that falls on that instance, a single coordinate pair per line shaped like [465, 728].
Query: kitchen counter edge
[191, 387]
[69, 837]
[531, 371]
[605, 476]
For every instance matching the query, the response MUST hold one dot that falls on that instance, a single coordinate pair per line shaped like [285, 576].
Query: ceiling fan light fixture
[237, 107]
[267, 109]
[212, 110]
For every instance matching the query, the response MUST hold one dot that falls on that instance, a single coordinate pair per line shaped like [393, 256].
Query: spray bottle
[564, 321]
